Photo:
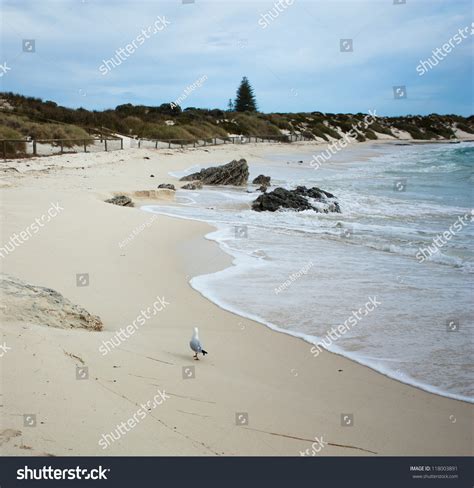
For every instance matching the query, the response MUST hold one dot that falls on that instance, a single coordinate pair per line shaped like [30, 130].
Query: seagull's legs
[196, 356]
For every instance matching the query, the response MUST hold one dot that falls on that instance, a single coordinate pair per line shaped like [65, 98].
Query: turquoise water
[393, 205]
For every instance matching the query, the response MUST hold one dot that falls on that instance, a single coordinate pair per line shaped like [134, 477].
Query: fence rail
[20, 148]
[219, 140]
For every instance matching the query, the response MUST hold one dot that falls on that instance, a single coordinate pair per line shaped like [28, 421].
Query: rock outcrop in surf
[299, 199]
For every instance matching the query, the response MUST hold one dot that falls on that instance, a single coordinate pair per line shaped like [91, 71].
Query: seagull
[195, 344]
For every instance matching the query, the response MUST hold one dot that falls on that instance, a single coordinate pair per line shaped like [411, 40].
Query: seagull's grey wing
[195, 345]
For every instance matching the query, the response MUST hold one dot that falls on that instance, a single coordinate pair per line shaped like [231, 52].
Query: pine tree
[245, 100]
[230, 105]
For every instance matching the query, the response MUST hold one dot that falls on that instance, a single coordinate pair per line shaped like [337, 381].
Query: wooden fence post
[121, 143]
[85, 145]
[105, 145]
[156, 144]
[34, 147]
[169, 144]
[4, 149]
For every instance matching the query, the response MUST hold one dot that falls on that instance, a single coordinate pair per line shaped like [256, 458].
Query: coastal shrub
[330, 131]
[133, 124]
[381, 129]
[308, 134]
[163, 132]
[12, 121]
[12, 148]
[38, 131]
[465, 127]
[230, 126]
[280, 121]
[70, 134]
[74, 135]
[255, 125]
[370, 134]
[45, 119]
[205, 131]
[414, 131]
[322, 130]
[319, 133]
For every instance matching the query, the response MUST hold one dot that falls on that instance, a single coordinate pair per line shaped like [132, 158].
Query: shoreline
[306, 338]
[249, 368]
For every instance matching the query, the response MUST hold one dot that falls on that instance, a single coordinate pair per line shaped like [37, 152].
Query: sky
[292, 51]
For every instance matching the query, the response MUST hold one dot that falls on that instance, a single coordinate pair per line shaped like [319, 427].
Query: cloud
[297, 53]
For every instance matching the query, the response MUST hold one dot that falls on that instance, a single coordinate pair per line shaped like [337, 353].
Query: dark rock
[314, 192]
[152, 176]
[297, 199]
[280, 198]
[146, 157]
[262, 180]
[321, 196]
[168, 186]
[263, 189]
[233, 173]
[121, 200]
[195, 185]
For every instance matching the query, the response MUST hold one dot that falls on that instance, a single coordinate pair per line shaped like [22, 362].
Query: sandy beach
[257, 392]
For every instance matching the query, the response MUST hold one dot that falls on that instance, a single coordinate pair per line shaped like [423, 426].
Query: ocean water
[305, 273]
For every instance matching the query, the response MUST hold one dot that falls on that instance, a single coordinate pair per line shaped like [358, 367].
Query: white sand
[249, 367]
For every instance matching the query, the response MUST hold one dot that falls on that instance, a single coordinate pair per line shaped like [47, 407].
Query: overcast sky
[294, 62]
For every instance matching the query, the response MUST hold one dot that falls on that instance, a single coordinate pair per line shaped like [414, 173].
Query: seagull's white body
[195, 344]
